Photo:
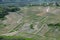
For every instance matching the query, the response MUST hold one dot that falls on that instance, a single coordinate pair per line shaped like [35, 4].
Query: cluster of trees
[57, 25]
[4, 10]
[12, 9]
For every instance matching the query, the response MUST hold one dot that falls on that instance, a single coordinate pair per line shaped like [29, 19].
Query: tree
[3, 12]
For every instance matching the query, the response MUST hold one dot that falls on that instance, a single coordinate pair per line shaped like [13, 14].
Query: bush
[50, 24]
[31, 26]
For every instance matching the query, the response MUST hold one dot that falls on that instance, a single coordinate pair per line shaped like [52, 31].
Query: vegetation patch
[12, 9]
[3, 12]
[14, 38]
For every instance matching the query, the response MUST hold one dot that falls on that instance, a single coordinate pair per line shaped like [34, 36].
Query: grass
[14, 38]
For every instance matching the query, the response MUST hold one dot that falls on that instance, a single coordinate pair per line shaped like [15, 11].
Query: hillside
[37, 22]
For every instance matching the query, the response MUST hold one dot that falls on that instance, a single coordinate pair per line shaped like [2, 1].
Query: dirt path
[10, 34]
[14, 17]
[41, 26]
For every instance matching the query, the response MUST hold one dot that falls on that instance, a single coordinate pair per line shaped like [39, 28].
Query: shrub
[31, 26]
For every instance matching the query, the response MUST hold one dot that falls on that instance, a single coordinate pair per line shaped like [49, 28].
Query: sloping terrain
[33, 22]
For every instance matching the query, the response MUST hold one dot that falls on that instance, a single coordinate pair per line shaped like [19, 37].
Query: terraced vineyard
[32, 22]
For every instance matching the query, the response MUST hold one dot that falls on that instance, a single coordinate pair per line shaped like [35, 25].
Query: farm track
[13, 25]
[17, 32]
[19, 24]
[41, 26]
